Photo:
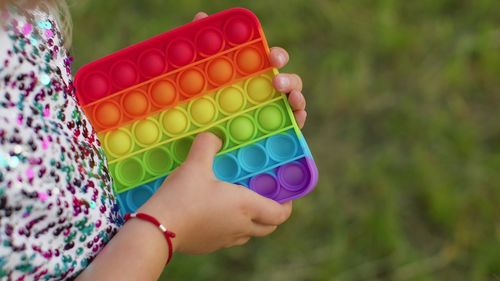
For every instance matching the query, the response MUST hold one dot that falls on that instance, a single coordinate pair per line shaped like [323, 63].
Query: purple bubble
[265, 185]
[293, 176]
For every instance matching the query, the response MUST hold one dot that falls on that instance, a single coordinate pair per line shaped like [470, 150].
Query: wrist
[151, 220]
[164, 218]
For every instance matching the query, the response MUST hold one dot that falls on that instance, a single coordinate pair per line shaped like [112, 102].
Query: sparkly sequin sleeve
[57, 210]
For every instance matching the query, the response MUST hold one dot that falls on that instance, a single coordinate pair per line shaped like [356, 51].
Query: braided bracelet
[168, 234]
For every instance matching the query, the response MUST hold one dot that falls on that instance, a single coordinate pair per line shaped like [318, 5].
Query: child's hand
[290, 83]
[208, 214]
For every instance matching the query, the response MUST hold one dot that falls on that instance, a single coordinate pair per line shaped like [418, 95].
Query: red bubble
[209, 41]
[238, 30]
[124, 74]
[152, 63]
[95, 86]
[180, 52]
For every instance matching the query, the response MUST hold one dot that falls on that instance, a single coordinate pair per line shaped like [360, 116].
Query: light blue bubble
[226, 167]
[137, 196]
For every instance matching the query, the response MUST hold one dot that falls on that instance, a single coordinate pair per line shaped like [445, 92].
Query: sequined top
[57, 210]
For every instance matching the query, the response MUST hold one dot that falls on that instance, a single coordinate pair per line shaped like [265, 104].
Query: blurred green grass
[404, 122]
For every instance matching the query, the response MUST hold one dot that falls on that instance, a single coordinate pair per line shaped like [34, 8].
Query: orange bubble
[135, 103]
[163, 93]
[220, 71]
[107, 114]
[249, 60]
[192, 81]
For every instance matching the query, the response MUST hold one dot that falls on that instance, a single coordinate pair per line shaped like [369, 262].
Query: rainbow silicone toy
[148, 101]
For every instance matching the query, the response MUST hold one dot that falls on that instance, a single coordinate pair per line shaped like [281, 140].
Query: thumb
[204, 148]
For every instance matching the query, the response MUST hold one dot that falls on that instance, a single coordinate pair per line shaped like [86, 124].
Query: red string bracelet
[151, 219]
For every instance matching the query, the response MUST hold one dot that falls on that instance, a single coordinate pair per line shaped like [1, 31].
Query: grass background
[404, 122]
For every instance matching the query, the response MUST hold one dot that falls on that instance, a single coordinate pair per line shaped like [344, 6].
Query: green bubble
[181, 148]
[242, 129]
[158, 160]
[129, 172]
[270, 118]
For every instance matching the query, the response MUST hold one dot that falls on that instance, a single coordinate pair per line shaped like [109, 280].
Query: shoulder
[56, 202]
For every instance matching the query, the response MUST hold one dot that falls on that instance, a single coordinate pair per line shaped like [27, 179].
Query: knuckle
[186, 166]
[242, 207]
[285, 215]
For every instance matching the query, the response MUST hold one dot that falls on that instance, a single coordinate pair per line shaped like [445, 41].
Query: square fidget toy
[148, 101]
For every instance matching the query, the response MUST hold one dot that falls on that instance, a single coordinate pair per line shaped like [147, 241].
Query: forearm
[137, 252]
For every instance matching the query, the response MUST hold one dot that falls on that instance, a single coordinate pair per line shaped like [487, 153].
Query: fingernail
[302, 101]
[282, 83]
[281, 59]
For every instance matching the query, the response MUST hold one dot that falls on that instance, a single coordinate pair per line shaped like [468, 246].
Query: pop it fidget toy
[148, 101]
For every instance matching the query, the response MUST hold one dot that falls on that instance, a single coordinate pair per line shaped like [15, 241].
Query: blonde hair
[56, 8]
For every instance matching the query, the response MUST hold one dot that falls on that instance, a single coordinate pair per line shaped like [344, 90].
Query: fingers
[268, 212]
[204, 148]
[261, 230]
[300, 117]
[287, 83]
[298, 103]
[241, 241]
[278, 57]
[199, 16]
[297, 100]
[256, 230]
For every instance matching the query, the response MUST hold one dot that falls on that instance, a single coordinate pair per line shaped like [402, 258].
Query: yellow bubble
[146, 132]
[260, 89]
[175, 121]
[118, 142]
[203, 111]
[231, 100]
